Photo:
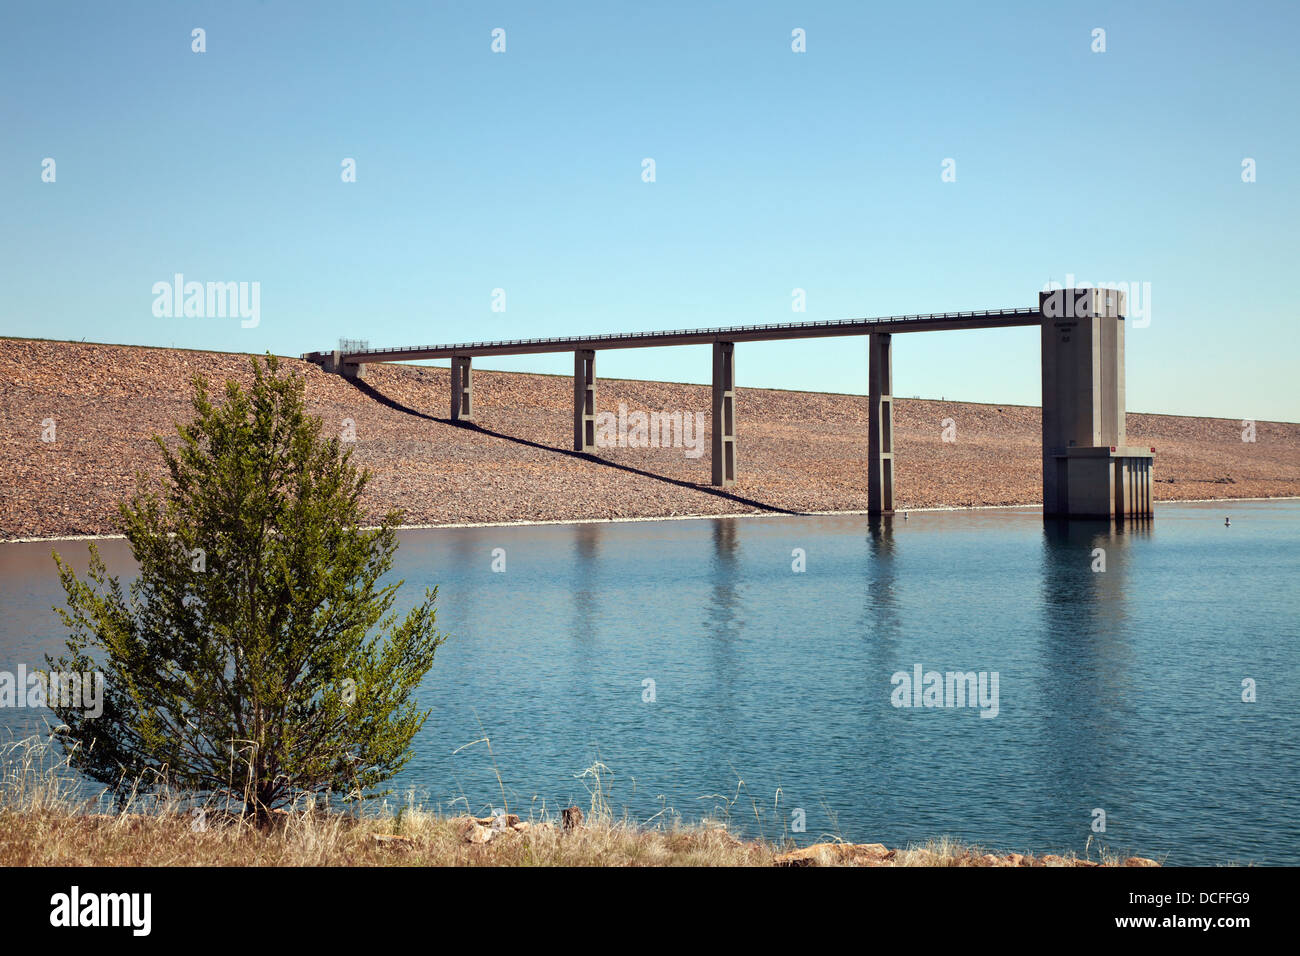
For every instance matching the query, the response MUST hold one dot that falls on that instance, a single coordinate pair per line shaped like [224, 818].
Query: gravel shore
[798, 451]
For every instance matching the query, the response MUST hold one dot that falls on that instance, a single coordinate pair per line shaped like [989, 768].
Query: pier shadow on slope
[397, 406]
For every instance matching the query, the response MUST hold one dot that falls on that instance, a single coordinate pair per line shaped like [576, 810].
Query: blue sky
[775, 170]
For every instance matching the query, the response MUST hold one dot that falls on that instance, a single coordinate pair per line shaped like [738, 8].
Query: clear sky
[774, 170]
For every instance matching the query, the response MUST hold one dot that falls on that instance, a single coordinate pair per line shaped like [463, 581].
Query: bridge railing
[720, 330]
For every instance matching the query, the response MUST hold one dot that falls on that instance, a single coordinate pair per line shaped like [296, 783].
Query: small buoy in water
[1227, 522]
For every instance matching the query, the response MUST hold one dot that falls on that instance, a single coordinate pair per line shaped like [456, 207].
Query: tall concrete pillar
[880, 425]
[462, 388]
[584, 400]
[724, 414]
[1089, 470]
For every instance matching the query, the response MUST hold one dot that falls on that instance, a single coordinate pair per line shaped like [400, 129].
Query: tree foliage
[243, 662]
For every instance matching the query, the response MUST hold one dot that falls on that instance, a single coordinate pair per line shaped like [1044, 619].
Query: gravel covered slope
[797, 451]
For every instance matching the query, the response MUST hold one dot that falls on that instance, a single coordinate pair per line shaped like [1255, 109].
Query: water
[1119, 690]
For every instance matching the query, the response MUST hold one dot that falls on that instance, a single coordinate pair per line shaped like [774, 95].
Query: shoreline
[698, 517]
[418, 837]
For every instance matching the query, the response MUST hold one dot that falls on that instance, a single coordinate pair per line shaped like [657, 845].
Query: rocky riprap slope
[798, 451]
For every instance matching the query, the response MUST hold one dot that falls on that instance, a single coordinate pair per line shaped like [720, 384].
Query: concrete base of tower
[1098, 482]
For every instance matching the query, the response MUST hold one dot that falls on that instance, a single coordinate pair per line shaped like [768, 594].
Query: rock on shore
[877, 854]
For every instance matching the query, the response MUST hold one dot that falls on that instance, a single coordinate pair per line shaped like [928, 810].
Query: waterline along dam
[1089, 470]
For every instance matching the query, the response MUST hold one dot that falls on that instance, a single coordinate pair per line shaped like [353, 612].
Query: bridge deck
[934, 322]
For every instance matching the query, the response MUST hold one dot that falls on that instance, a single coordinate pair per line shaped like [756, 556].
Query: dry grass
[44, 821]
[946, 852]
[334, 839]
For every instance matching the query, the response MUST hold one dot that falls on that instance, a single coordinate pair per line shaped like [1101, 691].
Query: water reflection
[467, 553]
[1087, 653]
[880, 532]
[722, 613]
[725, 629]
[585, 586]
[880, 609]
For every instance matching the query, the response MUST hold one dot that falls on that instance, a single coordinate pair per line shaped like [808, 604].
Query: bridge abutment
[584, 400]
[1089, 470]
[333, 363]
[724, 414]
[880, 424]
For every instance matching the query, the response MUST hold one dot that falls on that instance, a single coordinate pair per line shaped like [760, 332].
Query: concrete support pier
[1089, 469]
[880, 425]
[584, 400]
[462, 389]
[724, 414]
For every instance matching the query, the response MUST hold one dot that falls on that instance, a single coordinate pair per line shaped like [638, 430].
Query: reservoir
[760, 669]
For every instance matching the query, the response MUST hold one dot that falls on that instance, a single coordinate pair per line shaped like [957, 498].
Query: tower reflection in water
[1087, 654]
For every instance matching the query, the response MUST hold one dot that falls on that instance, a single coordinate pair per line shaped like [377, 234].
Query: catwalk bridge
[1087, 470]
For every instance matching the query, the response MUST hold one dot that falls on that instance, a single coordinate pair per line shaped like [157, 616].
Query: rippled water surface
[1119, 690]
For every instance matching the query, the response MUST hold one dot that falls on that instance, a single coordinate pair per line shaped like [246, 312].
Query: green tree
[242, 664]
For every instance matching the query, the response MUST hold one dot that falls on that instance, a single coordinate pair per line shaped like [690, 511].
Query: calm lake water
[1120, 690]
